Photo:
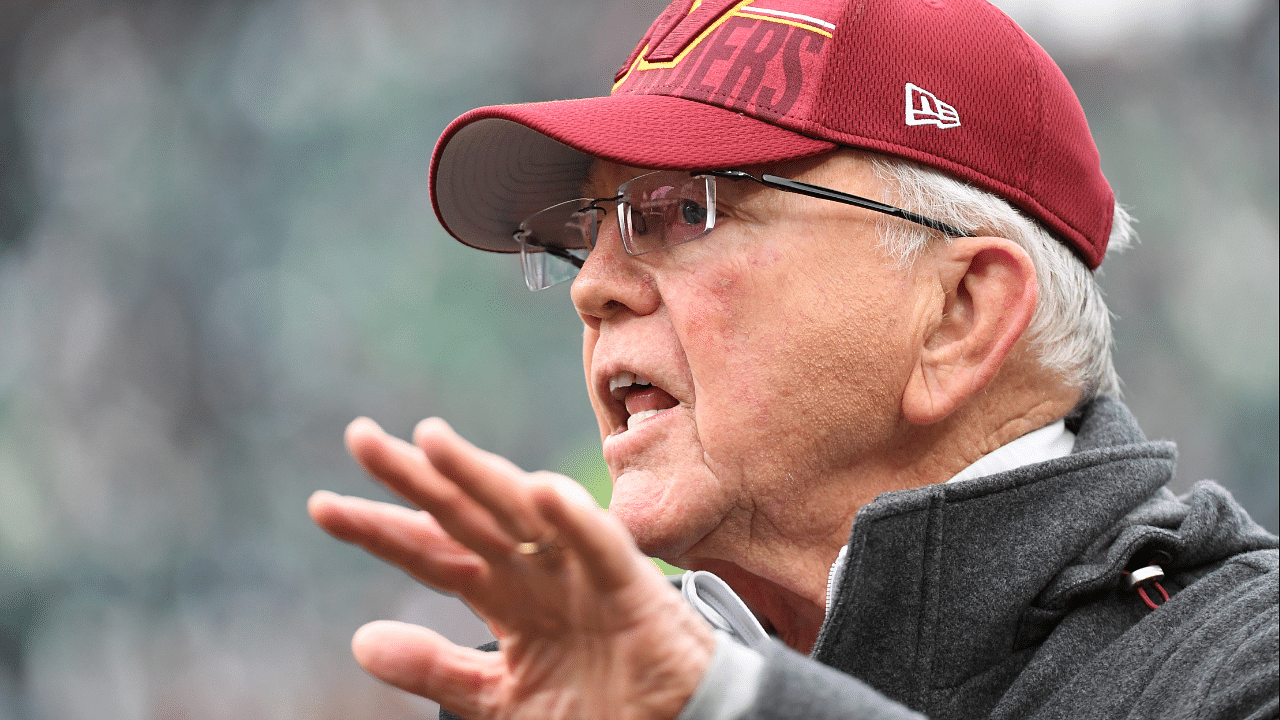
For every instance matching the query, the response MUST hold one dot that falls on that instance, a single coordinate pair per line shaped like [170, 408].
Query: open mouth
[638, 399]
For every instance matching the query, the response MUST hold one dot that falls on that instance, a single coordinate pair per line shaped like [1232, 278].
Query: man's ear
[988, 289]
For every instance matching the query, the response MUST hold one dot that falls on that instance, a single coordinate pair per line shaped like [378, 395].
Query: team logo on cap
[924, 108]
[752, 58]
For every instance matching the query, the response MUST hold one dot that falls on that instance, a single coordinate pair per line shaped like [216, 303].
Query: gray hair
[1070, 331]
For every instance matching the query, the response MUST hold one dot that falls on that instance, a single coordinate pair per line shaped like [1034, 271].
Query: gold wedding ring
[533, 548]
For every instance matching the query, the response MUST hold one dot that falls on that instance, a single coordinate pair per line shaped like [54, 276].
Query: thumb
[425, 663]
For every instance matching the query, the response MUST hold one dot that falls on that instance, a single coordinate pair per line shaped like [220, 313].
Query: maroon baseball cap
[718, 84]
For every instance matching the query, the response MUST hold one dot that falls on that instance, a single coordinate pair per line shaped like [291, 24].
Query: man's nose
[612, 282]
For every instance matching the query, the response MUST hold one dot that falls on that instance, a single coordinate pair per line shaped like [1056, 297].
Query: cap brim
[495, 166]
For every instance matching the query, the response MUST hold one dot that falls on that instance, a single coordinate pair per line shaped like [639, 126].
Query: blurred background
[216, 248]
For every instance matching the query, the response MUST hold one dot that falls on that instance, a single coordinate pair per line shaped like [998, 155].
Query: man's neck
[794, 618]
[1048, 443]
[780, 569]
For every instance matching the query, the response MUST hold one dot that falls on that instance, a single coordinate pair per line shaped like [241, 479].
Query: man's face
[777, 347]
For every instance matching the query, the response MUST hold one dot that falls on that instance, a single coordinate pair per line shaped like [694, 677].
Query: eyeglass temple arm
[816, 191]
[566, 256]
[524, 237]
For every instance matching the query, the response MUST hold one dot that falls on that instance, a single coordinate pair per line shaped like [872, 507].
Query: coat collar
[943, 585]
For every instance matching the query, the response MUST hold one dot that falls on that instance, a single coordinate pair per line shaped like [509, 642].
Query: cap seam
[1036, 131]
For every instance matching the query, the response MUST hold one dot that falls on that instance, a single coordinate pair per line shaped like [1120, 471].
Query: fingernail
[361, 425]
[430, 424]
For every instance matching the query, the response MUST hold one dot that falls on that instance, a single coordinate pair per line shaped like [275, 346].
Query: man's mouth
[639, 398]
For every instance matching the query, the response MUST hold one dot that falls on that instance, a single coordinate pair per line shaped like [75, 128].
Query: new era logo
[924, 108]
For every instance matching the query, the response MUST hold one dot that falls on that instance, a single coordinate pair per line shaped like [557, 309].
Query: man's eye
[639, 225]
[692, 213]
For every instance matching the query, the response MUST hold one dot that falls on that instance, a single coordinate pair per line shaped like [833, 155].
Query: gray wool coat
[1004, 597]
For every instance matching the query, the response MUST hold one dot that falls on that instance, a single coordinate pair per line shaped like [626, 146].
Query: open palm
[587, 626]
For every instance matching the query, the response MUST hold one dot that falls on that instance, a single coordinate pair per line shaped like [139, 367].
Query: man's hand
[587, 626]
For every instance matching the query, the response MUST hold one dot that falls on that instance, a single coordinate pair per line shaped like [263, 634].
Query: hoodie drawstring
[1145, 577]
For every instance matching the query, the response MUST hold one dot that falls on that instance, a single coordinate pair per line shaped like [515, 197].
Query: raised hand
[587, 626]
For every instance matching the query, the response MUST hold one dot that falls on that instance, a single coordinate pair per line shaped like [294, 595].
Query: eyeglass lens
[655, 210]
[662, 209]
[555, 242]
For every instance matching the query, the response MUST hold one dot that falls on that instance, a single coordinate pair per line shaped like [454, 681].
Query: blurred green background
[216, 248]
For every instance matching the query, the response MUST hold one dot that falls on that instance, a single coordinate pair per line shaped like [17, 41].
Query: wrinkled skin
[798, 372]
[785, 339]
[588, 628]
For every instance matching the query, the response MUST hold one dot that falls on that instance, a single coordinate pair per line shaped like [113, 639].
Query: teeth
[619, 383]
[640, 417]
[622, 380]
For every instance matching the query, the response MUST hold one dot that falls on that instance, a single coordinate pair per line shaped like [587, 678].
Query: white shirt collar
[1048, 443]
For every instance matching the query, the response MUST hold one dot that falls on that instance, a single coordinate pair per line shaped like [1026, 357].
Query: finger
[569, 488]
[410, 539]
[404, 469]
[605, 549]
[423, 662]
[489, 479]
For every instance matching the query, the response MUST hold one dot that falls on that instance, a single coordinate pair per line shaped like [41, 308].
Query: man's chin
[664, 523]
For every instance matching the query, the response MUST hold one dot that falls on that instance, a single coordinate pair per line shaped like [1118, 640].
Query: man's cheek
[710, 315]
[589, 338]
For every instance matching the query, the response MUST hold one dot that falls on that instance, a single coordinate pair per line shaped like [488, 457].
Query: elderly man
[851, 369]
